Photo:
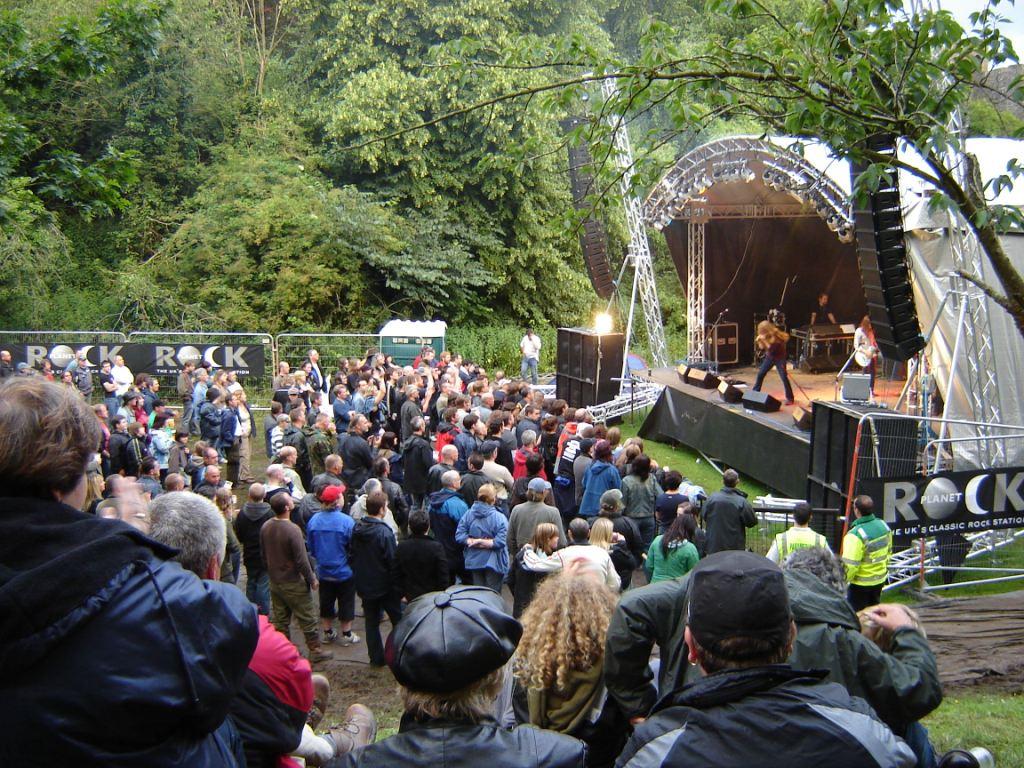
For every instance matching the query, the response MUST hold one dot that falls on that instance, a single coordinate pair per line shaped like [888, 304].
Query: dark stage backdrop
[748, 260]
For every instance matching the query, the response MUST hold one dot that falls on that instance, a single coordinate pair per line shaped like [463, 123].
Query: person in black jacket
[740, 631]
[372, 558]
[473, 479]
[421, 564]
[356, 455]
[448, 654]
[611, 508]
[255, 512]
[135, 450]
[418, 458]
[110, 653]
[726, 513]
[119, 438]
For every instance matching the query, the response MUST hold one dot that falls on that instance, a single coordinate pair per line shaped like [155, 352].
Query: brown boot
[321, 695]
[358, 730]
[318, 653]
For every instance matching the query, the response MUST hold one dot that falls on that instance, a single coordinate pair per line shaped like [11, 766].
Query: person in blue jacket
[446, 508]
[329, 533]
[483, 531]
[600, 476]
[110, 653]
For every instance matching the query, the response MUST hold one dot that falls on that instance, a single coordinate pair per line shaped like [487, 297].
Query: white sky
[1013, 28]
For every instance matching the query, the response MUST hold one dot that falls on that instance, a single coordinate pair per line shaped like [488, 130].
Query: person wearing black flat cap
[739, 631]
[448, 654]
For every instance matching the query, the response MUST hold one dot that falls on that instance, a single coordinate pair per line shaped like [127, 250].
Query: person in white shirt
[530, 349]
[123, 377]
[581, 555]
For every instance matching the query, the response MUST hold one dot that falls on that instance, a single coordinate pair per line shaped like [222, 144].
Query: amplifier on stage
[723, 343]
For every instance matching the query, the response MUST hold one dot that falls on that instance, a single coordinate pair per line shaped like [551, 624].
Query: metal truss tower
[639, 253]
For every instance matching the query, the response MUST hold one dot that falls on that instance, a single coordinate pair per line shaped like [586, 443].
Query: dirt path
[978, 641]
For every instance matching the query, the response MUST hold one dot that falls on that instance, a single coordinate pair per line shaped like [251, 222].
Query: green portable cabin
[403, 339]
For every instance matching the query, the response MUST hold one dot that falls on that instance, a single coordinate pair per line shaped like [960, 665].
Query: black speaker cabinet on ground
[587, 364]
[756, 400]
[703, 379]
[729, 393]
[884, 267]
[833, 439]
[723, 343]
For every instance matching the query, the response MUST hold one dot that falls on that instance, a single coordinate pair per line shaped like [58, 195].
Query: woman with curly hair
[560, 660]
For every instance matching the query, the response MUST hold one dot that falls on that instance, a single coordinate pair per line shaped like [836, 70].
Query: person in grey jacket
[726, 514]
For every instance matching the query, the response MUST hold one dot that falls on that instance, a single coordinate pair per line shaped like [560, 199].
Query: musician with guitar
[865, 350]
[773, 342]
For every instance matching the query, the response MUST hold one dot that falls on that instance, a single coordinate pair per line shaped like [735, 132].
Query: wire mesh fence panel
[60, 348]
[294, 348]
[249, 354]
[899, 448]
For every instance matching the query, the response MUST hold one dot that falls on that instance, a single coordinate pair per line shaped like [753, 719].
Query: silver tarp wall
[931, 256]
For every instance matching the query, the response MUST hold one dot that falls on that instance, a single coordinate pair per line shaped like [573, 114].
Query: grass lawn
[990, 720]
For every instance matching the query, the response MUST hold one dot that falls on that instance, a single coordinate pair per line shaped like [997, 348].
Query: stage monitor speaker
[682, 370]
[729, 393]
[856, 387]
[756, 400]
[588, 364]
[593, 240]
[820, 364]
[884, 267]
[802, 419]
[703, 379]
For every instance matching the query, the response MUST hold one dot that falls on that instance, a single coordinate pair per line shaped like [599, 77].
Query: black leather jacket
[449, 744]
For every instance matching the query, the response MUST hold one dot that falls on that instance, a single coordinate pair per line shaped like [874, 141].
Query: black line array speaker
[700, 378]
[756, 400]
[729, 393]
[884, 267]
[593, 240]
[587, 364]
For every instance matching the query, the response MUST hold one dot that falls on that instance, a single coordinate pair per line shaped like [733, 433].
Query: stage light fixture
[603, 323]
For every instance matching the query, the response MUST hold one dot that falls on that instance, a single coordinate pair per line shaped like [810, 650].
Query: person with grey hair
[447, 457]
[194, 526]
[411, 409]
[446, 508]
[279, 682]
[819, 561]
[726, 514]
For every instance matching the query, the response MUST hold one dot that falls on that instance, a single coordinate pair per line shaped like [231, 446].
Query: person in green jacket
[902, 686]
[673, 553]
[867, 547]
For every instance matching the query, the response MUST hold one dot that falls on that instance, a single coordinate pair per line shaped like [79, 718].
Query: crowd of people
[150, 614]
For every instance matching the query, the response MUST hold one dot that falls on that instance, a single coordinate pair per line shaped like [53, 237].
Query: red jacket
[519, 464]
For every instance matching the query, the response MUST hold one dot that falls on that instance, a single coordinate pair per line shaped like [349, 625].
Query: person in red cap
[329, 532]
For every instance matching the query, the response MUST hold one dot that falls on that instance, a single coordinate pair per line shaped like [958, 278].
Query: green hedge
[497, 346]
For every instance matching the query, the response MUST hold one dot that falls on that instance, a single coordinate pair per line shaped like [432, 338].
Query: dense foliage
[225, 164]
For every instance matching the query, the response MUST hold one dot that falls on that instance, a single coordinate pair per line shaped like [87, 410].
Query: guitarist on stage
[865, 351]
[773, 342]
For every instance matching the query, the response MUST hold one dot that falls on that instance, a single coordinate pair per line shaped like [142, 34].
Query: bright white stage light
[603, 323]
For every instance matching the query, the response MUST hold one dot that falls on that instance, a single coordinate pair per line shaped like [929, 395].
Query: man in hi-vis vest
[800, 536]
[867, 548]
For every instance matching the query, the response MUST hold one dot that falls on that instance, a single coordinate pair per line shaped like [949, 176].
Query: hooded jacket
[247, 528]
[735, 716]
[600, 477]
[85, 602]
[519, 464]
[418, 459]
[371, 556]
[446, 510]
[902, 687]
[484, 521]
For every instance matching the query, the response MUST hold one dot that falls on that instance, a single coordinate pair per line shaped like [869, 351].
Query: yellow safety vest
[797, 538]
[867, 548]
